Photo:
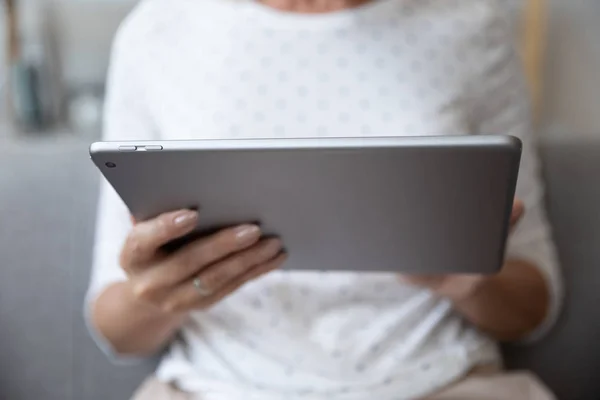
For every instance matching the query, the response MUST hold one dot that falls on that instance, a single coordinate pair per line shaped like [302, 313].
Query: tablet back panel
[424, 205]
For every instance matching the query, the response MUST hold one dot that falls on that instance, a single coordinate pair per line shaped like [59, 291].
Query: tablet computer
[402, 204]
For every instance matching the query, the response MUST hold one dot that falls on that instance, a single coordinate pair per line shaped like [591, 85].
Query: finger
[198, 255]
[424, 281]
[157, 282]
[517, 212]
[219, 275]
[147, 237]
[254, 273]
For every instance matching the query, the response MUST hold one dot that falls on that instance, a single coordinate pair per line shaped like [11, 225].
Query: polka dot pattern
[352, 80]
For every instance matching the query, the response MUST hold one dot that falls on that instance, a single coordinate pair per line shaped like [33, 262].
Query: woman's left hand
[458, 286]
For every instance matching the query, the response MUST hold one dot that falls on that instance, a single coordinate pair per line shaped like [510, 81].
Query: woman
[235, 327]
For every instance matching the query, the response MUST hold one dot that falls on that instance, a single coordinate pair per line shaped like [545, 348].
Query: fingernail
[185, 218]
[246, 233]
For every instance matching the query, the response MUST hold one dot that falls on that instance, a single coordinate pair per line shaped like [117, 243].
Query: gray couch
[47, 205]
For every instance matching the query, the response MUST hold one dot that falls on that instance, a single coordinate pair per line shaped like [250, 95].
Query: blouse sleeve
[126, 117]
[501, 105]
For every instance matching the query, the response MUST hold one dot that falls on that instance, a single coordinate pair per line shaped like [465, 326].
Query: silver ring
[201, 288]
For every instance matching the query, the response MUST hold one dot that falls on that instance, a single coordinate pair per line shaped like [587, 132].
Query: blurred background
[59, 52]
[52, 71]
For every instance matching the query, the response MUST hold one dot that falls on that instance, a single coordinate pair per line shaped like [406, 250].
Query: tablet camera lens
[110, 164]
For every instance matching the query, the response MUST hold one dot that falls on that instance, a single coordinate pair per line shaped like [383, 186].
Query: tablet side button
[127, 148]
[153, 147]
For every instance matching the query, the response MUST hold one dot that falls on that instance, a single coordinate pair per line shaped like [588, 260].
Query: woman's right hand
[202, 272]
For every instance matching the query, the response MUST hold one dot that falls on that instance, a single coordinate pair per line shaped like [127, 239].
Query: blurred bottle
[3, 63]
[31, 79]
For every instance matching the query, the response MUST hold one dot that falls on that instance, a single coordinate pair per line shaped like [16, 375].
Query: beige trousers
[477, 386]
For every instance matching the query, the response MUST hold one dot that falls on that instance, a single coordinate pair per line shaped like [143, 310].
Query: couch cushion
[47, 207]
[570, 356]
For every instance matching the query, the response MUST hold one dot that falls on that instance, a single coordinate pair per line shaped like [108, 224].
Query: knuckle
[162, 227]
[171, 307]
[131, 250]
[143, 291]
